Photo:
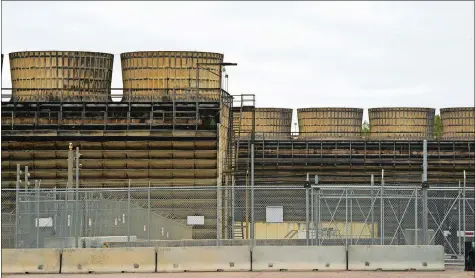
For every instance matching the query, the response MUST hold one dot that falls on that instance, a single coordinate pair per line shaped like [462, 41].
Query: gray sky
[290, 54]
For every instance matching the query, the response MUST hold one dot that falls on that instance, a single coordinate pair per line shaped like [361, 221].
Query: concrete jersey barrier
[203, 258]
[108, 260]
[396, 257]
[43, 260]
[295, 258]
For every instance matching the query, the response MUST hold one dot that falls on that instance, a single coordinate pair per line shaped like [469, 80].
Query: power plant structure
[175, 126]
[264, 123]
[330, 123]
[406, 123]
[458, 123]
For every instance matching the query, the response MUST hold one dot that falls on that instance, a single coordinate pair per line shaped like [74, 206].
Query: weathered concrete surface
[43, 260]
[108, 260]
[338, 274]
[396, 257]
[204, 258]
[298, 258]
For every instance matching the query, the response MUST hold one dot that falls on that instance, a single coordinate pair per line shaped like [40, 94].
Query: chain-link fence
[292, 215]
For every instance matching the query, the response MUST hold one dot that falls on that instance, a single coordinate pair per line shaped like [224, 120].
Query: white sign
[44, 222]
[274, 214]
[195, 220]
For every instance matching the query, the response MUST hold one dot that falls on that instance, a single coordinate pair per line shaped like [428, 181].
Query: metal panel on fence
[409, 257]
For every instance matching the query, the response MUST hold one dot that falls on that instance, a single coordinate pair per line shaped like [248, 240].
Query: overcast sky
[290, 54]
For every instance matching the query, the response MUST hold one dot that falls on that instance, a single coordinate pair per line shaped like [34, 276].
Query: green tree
[438, 128]
[365, 129]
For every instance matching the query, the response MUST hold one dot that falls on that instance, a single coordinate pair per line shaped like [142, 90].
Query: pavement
[336, 274]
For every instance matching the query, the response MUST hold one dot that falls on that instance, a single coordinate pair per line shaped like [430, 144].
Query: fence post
[463, 215]
[460, 220]
[372, 209]
[346, 217]
[17, 205]
[317, 221]
[425, 186]
[425, 236]
[382, 208]
[252, 194]
[307, 220]
[312, 216]
[37, 186]
[416, 224]
[315, 211]
[148, 214]
[128, 215]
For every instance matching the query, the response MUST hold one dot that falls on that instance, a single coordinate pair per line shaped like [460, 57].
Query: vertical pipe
[17, 205]
[37, 214]
[148, 214]
[463, 208]
[424, 161]
[460, 220]
[372, 210]
[128, 215]
[382, 208]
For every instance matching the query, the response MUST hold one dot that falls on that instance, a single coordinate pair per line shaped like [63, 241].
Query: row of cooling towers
[72, 76]
[346, 123]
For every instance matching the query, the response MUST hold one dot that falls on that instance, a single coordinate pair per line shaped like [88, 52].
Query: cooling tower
[170, 75]
[270, 123]
[458, 123]
[329, 123]
[401, 123]
[61, 76]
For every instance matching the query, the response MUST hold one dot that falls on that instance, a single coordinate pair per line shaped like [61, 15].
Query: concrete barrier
[43, 260]
[295, 258]
[108, 260]
[203, 258]
[396, 257]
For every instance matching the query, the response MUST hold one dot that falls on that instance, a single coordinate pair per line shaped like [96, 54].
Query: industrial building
[176, 126]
